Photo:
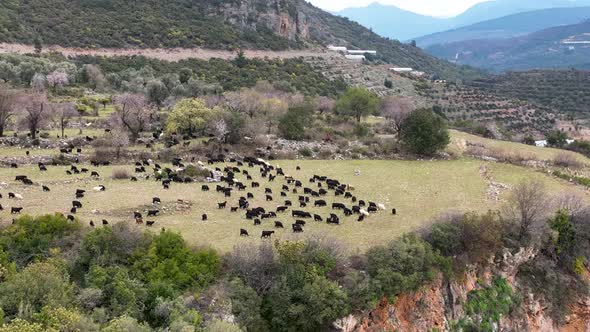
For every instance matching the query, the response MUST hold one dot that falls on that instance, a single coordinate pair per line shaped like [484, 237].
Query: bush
[120, 174]
[404, 265]
[293, 124]
[424, 133]
[361, 130]
[306, 152]
[196, 172]
[29, 239]
[567, 159]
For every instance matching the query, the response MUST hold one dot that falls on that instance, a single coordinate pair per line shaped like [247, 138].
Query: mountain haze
[549, 48]
[509, 26]
[393, 22]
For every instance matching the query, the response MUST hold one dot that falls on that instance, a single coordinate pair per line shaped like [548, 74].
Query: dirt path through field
[174, 54]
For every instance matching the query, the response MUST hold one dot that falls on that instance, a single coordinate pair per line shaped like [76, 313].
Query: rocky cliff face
[436, 306]
[284, 18]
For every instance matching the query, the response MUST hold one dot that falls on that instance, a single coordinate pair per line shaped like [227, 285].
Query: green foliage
[565, 237]
[293, 124]
[557, 138]
[189, 116]
[424, 133]
[306, 152]
[485, 307]
[475, 237]
[170, 261]
[157, 92]
[36, 286]
[126, 324]
[30, 239]
[404, 265]
[388, 84]
[357, 103]
[109, 246]
[121, 293]
[246, 306]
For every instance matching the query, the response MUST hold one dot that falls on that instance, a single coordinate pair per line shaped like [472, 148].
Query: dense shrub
[425, 133]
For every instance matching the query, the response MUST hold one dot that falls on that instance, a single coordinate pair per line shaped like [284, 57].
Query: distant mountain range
[393, 22]
[509, 26]
[554, 48]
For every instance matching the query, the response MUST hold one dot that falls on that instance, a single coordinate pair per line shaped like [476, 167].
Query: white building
[355, 57]
[356, 52]
[541, 144]
[337, 48]
[401, 69]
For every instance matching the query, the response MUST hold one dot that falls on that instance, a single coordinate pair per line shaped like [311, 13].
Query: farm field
[419, 190]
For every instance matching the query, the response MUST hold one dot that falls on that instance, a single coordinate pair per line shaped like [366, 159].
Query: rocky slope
[438, 306]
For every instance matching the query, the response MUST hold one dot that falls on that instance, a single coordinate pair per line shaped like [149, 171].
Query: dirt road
[174, 54]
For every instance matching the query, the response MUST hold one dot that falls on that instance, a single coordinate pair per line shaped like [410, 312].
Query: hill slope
[558, 47]
[391, 21]
[509, 26]
[253, 24]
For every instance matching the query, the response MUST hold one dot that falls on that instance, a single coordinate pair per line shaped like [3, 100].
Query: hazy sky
[426, 7]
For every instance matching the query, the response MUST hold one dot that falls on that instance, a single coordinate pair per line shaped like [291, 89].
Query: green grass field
[419, 190]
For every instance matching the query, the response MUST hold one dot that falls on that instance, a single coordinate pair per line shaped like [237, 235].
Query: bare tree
[35, 111]
[572, 202]
[256, 265]
[132, 113]
[324, 104]
[245, 101]
[528, 205]
[396, 109]
[62, 114]
[7, 107]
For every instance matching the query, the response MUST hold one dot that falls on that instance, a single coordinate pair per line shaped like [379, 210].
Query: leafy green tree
[565, 237]
[556, 138]
[293, 124]
[110, 246]
[169, 260]
[185, 74]
[36, 286]
[246, 306]
[190, 116]
[357, 103]
[403, 265]
[122, 294]
[157, 92]
[30, 238]
[424, 133]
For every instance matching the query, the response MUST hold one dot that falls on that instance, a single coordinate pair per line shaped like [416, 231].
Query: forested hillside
[255, 24]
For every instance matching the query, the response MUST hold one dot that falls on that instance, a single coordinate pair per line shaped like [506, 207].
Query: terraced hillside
[566, 91]
[468, 103]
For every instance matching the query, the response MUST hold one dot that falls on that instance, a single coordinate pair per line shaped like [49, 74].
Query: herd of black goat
[314, 193]
[317, 190]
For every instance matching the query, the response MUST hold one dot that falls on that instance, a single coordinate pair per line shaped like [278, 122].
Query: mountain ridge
[216, 24]
[379, 17]
[548, 49]
[509, 26]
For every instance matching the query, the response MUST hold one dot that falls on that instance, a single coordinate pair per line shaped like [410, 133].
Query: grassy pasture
[458, 140]
[419, 190]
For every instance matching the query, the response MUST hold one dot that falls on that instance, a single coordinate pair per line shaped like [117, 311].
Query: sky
[439, 8]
